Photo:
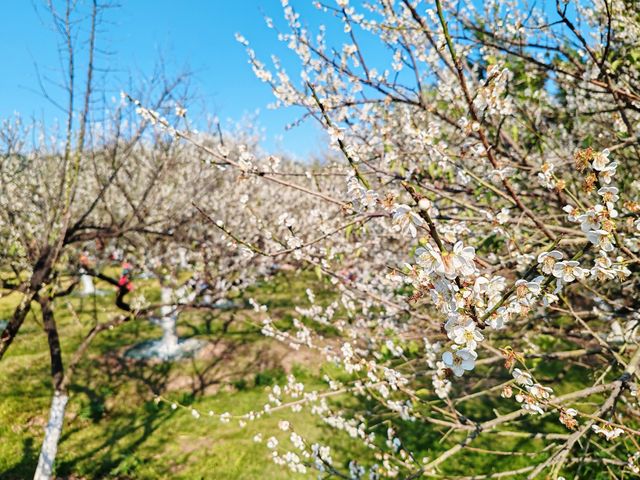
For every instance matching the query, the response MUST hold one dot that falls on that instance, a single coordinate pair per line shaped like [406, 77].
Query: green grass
[114, 429]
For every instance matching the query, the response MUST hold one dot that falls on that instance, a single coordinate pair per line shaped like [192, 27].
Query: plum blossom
[283, 425]
[503, 216]
[529, 403]
[592, 218]
[602, 268]
[405, 219]
[467, 335]
[460, 261]
[568, 271]
[606, 174]
[539, 392]
[521, 377]
[600, 160]
[572, 213]
[607, 431]
[527, 289]
[609, 196]
[369, 199]
[460, 360]
[549, 298]
[429, 259]
[549, 259]
[601, 239]
[360, 196]
[441, 385]
[567, 418]
[545, 176]
[499, 318]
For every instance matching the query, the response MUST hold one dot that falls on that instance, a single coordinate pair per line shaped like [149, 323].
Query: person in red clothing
[84, 259]
[124, 278]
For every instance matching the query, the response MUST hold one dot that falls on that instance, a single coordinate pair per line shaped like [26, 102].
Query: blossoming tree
[479, 226]
[497, 152]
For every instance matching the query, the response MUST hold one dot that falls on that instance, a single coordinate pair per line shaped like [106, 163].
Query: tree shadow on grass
[122, 429]
[229, 362]
[116, 456]
[27, 464]
[115, 398]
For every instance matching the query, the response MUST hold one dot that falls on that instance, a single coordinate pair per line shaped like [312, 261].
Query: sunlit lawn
[114, 428]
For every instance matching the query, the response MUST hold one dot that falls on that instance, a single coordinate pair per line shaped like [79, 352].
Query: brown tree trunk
[12, 328]
[53, 429]
[41, 272]
[49, 323]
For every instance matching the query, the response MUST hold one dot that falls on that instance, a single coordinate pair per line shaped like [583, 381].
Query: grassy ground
[113, 427]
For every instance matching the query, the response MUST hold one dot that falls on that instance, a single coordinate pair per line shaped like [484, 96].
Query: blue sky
[194, 34]
[198, 35]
